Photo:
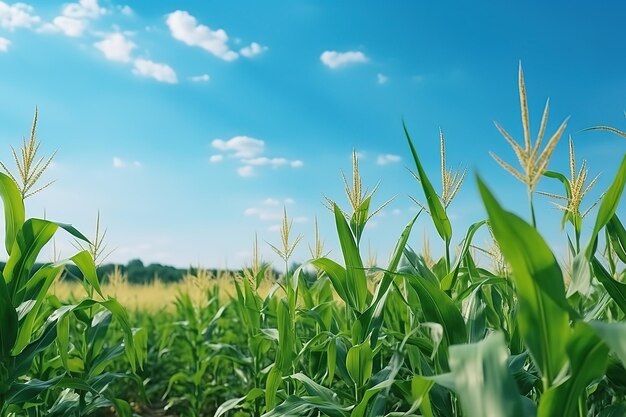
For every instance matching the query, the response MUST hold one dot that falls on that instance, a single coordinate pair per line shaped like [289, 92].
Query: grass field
[518, 334]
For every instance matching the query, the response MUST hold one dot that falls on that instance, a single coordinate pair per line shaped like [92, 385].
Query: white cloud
[252, 50]
[264, 161]
[249, 151]
[84, 9]
[119, 163]
[216, 158]
[381, 78]
[276, 202]
[4, 44]
[185, 28]
[396, 212]
[271, 209]
[116, 47]
[17, 15]
[246, 171]
[334, 59]
[241, 146]
[160, 72]
[200, 78]
[387, 159]
[126, 10]
[74, 18]
[68, 25]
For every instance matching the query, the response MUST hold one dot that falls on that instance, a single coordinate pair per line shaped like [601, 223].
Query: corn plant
[38, 356]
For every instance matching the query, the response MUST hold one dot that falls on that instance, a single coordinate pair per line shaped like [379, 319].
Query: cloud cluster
[335, 60]
[118, 48]
[75, 18]
[249, 151]
[17, 15]
[185, 28]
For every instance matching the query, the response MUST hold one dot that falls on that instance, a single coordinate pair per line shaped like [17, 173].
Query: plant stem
[532, 208]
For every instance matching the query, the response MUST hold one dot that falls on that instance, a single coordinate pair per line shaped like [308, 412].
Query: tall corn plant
[33, 324]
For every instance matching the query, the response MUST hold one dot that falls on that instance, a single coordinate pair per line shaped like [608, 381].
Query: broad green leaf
[29, 241]
[338, 277]
[356, 282]
[437, 307]
[8, 321]
[588, 358]
[608, 206]
[543, 310]
[300, 406]
[581, 276]
[614, 335]
[87, 266]
[360, 362]
[14, 213]
[615, 289]
[482, 380]
[435, 206]
[617, 235]
[372, 318]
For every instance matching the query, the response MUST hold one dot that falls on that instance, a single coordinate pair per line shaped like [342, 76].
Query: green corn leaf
[567, 215]
[615, 289]
[8, 321]
[87, 266]
[360, 362]
[371, 319]
[588, 359]
[437, 307]
[29, 241]
[435, 206]
[608, 206]
[14, 213]
[482, 380]
[543, 310]
[617, 235]
[300, 406]
[614, 335]
[356, 282]
[338, 277]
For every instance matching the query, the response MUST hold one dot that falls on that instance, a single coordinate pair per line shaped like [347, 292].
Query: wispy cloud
[240, 146]
[119, 163]
[74, 18]
[160, 72]
[17, 15]
[381, 78]
[271, 210]
[200, 78]
[334, 59]
[126, 10]
[246, 171]
[216, 158]
[387, 159]
[4, 44]
[253, 50]
[185, 28]
[116, 47]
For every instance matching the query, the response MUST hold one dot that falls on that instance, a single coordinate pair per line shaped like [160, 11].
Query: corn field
[449, 337]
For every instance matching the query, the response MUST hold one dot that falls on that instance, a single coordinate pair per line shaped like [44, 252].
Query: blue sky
[190, 124]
